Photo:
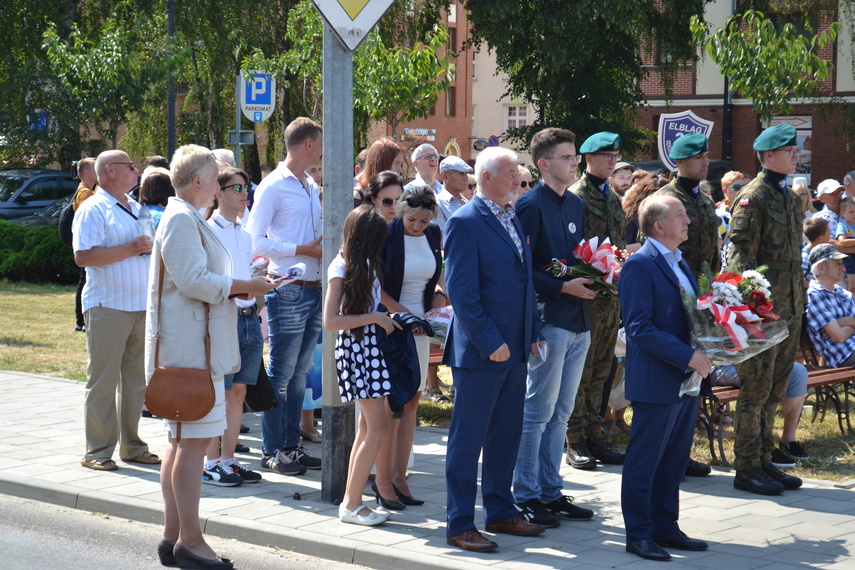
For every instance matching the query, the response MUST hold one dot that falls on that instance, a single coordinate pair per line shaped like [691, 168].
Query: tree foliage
[770, 66]
[580, 63]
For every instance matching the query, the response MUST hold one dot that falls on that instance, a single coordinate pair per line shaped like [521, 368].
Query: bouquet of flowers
[600, 263]
[732, 319]
[439, 319]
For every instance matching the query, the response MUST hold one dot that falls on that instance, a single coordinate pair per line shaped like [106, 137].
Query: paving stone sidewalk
[41, 443]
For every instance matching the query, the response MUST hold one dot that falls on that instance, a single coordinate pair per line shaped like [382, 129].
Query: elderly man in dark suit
[488, 271]
[659, 358]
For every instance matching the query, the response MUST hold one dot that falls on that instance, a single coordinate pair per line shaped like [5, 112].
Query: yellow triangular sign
[353, 7]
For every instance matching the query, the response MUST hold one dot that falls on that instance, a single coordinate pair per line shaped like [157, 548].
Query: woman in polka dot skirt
[353, 294]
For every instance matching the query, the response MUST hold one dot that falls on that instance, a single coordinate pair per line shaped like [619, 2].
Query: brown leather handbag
[180, 394]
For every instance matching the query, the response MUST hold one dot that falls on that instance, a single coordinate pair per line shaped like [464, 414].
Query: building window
[451, 101]
[452, 12]
[452, 40]
[474, 109]
[517, 116]
[474, 67]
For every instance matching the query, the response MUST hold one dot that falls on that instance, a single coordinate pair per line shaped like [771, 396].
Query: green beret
[776, 137]
[688, 146]
[601, 142]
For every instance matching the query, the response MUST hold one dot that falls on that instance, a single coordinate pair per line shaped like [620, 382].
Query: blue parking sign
[258, 90]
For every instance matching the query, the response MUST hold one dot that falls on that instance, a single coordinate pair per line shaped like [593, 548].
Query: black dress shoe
[186, 559]
[164, 552]
[241, 448]
[579, 457]
[697, 469]
[647, 549]
[385, 503]
[680, 541]
[244, 428]
[408, 500]
[604, 453]
[757, 481]
[790, 482]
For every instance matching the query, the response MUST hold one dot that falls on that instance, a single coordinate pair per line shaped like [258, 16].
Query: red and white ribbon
[725, 317]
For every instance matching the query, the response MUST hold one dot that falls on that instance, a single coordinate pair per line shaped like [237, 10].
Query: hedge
[35, 255]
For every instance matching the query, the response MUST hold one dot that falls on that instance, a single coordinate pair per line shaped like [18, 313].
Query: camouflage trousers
[605, 322]
[763, 382]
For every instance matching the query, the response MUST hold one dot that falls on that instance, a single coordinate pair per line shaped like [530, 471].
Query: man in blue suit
[488, 273]
[659, 357]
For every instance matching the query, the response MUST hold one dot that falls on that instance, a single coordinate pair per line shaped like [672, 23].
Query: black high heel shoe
[164, 552]
[407, 499]
[386, 503]
[186, 559]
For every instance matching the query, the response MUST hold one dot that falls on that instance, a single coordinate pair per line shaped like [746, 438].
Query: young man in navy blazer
[659, 357]
[494, 329]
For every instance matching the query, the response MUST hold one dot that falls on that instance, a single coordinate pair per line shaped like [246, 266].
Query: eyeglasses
[427, 203]
[428, 157]
[236, 188]
[736, 187]
[571, 158]
[130, 165]
[387, 202]
[611, 156]
[791, 151]
[472, 186]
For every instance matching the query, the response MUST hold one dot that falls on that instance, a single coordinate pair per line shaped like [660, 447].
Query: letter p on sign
[258, 90]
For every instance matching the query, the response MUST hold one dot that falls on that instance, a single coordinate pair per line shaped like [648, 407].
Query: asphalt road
[37, 535]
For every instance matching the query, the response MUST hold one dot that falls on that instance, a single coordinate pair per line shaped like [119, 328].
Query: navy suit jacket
[658, 342]
[392, 256]
[490, 288]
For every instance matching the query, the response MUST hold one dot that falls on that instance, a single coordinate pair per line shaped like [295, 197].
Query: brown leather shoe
[472, 540]
[515, 525]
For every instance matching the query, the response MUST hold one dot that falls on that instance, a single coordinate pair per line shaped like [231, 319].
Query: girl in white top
[350, 307]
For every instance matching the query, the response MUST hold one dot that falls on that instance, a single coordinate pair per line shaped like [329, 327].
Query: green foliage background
[35, 255]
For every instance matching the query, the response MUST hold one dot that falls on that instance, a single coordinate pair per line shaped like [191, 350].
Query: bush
[35, 255]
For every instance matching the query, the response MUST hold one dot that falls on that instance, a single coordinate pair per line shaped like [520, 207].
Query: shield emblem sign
[673, 126]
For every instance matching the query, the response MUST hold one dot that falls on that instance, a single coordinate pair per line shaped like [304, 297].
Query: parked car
[25, 191]
[47, 217]
[718, 168]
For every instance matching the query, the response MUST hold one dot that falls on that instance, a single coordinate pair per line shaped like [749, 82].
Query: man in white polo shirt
[107, 242]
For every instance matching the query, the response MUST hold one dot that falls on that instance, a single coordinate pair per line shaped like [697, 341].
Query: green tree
[770, 66]
[580, 63]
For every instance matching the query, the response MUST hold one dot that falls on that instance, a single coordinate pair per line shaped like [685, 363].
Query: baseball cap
[824, 251]
[827, 186]
[800, 180]
[454, 163]
[621, 166]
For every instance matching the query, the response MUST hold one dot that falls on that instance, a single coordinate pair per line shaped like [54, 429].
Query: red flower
[757, 298]
[732, 278]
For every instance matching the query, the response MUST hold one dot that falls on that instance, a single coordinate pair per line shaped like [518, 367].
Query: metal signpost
[346, 24]
[255, 97]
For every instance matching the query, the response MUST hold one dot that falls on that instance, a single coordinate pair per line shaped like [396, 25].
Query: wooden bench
[828, 384]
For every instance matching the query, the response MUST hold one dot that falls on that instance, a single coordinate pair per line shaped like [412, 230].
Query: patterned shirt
[825, 306]
[830, 216]
[506, 217]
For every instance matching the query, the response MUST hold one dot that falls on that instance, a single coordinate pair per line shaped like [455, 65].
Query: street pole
[170, 82]
[237, 117]
[339, 426]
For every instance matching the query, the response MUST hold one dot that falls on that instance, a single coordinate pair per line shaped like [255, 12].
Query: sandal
[146, 458]
[309, 436]
[622, 427]
[100, 464]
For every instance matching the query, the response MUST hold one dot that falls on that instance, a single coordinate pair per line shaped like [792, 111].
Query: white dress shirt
[102, 221]
[673, 259]
[286, 214]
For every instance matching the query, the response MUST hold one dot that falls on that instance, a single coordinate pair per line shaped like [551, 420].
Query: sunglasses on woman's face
[526, 184]
[427, 204]
[237, 188]
[387, 202]
[472, 186]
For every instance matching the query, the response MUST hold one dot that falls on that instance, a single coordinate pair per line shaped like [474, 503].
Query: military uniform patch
[743, 202]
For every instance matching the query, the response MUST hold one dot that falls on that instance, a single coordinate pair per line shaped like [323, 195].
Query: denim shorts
[251, 348]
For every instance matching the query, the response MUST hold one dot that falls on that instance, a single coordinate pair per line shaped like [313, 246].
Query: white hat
[800, 180]
[827, 186]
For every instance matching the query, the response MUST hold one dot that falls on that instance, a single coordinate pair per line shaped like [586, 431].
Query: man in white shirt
[222, 469]
[285, 225]
[454, 175]
[107, 242]
[426, 160]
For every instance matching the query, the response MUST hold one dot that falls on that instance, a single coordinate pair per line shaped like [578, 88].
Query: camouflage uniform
[604, 219]
[702, 244]
[767, 230]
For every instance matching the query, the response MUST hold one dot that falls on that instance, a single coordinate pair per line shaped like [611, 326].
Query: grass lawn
[37, 336]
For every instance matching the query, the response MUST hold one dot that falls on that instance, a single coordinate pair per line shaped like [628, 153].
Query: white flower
[728, 293]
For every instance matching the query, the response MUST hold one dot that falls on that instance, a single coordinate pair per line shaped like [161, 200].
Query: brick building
[700, 88]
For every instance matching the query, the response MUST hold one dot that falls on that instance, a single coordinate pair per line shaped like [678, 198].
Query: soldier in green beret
[693, 161]
[604, 219]
[767, 230]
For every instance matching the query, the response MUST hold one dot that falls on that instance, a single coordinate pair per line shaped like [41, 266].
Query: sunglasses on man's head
[237, 188]
[427, 203]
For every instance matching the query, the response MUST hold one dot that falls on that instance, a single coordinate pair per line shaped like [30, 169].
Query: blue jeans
[294, 321]
[251, 344]
[550, 396]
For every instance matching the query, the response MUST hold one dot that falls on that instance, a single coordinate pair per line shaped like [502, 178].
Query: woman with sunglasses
[383, 193]
[413, 282]
[384, 154]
